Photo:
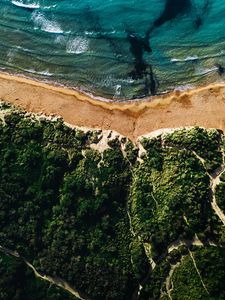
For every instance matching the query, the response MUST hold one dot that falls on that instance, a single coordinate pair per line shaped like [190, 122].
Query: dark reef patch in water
[220, 70]
[142, 69]
[172, 9]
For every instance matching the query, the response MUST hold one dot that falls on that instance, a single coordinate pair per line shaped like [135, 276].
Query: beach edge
[202, 106]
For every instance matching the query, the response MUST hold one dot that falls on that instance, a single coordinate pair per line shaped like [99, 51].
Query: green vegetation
[63, 205]
[107, 221]
[17, 282]
[205, 143]
[170, 196]
[207, 283]
[220, 195]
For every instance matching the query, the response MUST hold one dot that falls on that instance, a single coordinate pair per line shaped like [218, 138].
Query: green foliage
[17, 282]
[139, 260]
[205, 143]
[95, 219]
[131, 152]
[63, 205]
[153, 148]
[187, 284]
[170, 202]
[220, 195]
[155, 282]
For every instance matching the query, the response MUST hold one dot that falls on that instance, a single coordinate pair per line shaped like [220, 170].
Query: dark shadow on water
[172, 9]
[138, 45]
[142, 70]
[220, 69]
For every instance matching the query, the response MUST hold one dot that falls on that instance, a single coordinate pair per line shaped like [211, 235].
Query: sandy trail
[53, 280]
[202, 106]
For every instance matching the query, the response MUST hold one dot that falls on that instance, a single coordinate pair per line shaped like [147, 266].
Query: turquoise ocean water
[120, 49]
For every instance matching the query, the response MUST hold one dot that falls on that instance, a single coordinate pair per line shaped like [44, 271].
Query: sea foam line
[196, 57]
[31, 6]
[21, 4]
[206, 71]
[188, 58]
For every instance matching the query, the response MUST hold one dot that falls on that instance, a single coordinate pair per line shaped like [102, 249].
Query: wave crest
[25, 5]
[78, 45]
[41, 22]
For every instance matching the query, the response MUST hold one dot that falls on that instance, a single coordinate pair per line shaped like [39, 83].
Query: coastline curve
[202, 106]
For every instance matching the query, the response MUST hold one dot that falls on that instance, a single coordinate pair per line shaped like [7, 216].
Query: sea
[115, 49]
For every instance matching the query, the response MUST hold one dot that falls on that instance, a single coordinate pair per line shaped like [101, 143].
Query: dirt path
[202, 106]
[53, 280]
[169, 281]
[198, 272]
[215, 181]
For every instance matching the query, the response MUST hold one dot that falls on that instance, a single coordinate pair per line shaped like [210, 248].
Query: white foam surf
[196, 57]
[41, 22]
[44, 73]
[77, 45]
[184, 87]
[26, 5]
[206, 71]
[188, 58]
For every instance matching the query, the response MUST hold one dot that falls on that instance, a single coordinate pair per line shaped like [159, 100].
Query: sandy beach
[203, 106]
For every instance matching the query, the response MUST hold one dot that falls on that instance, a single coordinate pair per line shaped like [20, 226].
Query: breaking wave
[77, 45]
[25, 5]
[44, 24]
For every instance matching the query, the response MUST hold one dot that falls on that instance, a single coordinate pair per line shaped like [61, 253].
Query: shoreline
[201, 106]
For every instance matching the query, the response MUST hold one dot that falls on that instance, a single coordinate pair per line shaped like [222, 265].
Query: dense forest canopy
[104, 218]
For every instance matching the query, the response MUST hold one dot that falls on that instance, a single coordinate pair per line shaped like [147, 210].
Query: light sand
[204, 106]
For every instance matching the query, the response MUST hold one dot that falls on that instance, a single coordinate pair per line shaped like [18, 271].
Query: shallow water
[103, 47]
